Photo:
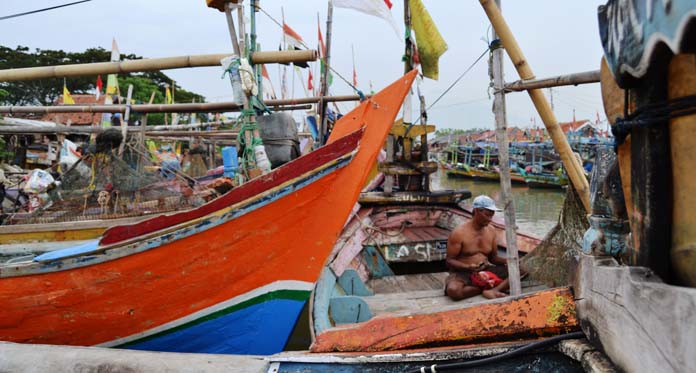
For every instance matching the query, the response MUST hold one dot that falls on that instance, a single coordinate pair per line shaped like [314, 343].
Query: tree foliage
[456, 131]
[46, 91]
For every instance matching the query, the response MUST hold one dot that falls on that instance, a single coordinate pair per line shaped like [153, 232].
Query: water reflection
[536, 210]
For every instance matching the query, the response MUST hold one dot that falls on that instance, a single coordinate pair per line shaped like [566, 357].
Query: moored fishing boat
[379, 302]
[228, 277]
[545, 180]
[388, 268]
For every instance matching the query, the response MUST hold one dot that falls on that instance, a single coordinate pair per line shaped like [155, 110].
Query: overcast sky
[557, 37]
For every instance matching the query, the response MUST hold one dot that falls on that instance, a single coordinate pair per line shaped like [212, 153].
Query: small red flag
[389, 3]
[99, 86]
[310, 81]
[322, 46]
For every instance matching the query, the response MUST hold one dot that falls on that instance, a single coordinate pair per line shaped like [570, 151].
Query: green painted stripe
[299, 295]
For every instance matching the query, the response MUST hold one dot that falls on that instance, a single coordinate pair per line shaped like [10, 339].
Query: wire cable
[503, 356]
[42, 10]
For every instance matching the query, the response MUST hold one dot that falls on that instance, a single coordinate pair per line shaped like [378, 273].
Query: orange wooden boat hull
[163, 277]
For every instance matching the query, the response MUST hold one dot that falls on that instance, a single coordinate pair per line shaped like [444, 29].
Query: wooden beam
[544, 313]
[572, 164]
[216, 107]
[586, 77]
[499, 109]
[151, 64]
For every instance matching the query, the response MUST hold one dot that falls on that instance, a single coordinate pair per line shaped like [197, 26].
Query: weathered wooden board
[643, 324]
[540, 314]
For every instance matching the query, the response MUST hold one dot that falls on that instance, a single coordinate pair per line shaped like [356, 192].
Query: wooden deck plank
[418, 293]
[407, 283]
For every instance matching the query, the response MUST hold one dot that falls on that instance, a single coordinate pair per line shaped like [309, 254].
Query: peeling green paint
[559, 310]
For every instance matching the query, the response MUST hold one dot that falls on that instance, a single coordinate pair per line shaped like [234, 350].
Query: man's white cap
[485, 202]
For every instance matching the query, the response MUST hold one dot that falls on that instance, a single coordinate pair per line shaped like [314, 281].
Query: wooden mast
[572, 165]
[499, 109]
[323, 125]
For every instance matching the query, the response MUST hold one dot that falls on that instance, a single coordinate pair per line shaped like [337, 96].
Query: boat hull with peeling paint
[226, 277]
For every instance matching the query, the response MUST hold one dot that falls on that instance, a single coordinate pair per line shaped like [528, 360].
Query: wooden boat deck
[421, 293]
[408, 283]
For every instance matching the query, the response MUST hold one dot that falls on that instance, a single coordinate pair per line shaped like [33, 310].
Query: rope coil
[652, 115]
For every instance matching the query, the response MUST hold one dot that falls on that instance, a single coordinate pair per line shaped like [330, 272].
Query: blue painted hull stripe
[261, 329]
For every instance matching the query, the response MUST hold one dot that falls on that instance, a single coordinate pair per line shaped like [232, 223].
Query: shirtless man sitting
[471, 248]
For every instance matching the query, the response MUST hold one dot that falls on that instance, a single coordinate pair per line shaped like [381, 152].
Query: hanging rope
[652, 115]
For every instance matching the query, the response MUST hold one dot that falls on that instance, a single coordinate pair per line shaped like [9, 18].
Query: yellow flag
[431, 45]
[168, 93]
[67, 99]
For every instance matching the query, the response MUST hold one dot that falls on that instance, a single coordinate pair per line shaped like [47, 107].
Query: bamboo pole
[294, 104]
[572, 165]
[151, 64]
[124, 121]
[499, 108]
[586, 77]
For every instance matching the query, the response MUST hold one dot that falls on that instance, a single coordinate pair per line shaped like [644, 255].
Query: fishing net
[552, 261]
[103, 185]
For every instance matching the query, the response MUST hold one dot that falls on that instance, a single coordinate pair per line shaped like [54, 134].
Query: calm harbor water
[536, 210]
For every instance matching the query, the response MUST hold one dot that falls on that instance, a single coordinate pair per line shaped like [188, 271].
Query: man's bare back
[473, 247]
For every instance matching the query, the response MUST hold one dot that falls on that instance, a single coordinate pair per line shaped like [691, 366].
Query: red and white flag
[355, 73]
[268, 91]
[377, 8]
[292, 39]
[310, 82]
[100, 85]
[322, 46]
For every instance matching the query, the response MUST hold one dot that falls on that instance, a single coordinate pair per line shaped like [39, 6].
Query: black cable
[503, 356]
[42, 10]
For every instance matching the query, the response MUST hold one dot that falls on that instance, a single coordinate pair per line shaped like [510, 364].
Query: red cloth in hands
[485, 279]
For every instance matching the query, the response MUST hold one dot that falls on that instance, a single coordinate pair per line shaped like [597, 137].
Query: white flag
[377, 8]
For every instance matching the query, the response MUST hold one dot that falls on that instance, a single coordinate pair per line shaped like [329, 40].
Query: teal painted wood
[68, 252]
[352, 284]
[375, 263]
[322, 296]
[349, 309]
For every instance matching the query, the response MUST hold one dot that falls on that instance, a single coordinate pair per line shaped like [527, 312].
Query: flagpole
[325, 77]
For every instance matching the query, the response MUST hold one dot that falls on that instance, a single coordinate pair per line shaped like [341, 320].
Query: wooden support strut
[572, 164]
[151, 64]
[586, 77]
